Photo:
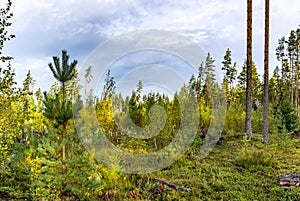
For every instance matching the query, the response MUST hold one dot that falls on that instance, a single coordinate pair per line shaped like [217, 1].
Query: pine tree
[56, 108]
[230, 74]
[265, 131]
[291, 55]
[281, 55]
[109, 87]
[297, 49]
[209, 70]
[249, 71]
[256, 84]
[104, 107]
[26, 101]
[275, 87]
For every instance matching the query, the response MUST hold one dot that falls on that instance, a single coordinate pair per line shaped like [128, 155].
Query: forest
[42, 156]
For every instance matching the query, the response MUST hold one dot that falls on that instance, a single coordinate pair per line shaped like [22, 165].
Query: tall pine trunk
[292, 81]
[297, 82]
[266, 74]
[249, 71]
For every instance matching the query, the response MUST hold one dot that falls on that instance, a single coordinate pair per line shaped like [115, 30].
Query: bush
[286, 117]
[235, 120]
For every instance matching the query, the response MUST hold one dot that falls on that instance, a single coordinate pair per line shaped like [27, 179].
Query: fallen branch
[289, 180]
[174, 186]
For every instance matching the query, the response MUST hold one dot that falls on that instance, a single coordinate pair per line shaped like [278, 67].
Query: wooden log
[289, 180]
[174, 186]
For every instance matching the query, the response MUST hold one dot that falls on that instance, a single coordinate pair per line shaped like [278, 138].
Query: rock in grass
[289, 180]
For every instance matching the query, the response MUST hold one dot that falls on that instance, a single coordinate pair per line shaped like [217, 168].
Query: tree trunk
[64, 131]
[266, 74]
[292, 81]
[249, 71]
[297, 82]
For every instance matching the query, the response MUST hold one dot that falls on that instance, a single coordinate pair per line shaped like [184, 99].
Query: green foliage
[5, 17]
[10, 113]
[255, 160]
[63, 72]
[105, 116]
[285, 115]
[235, 119]
[283, 140]
[34, 130]
[256, 86]
[56, 110]
[286, 194]
[109, 87]
[230, 75]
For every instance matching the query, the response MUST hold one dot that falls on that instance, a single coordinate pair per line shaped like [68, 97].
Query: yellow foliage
[34, 163]
[105, 115]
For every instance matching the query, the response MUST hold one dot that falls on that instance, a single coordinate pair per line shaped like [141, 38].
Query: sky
[45, 27]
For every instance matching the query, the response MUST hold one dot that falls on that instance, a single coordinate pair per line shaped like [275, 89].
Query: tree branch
[174, 186]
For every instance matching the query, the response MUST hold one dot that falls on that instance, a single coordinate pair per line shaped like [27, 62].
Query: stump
[289, 180]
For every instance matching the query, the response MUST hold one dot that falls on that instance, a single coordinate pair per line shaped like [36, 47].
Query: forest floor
[236, 169]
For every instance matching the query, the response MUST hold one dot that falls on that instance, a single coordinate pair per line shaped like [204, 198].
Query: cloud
[39, 71]
[45, 27]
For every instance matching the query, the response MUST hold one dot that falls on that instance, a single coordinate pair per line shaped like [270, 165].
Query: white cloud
[39, 71]
[45, 27]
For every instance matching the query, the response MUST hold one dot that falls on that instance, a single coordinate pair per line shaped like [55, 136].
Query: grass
[234, 170]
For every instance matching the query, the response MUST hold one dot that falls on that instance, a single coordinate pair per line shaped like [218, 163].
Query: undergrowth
[235, 170]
